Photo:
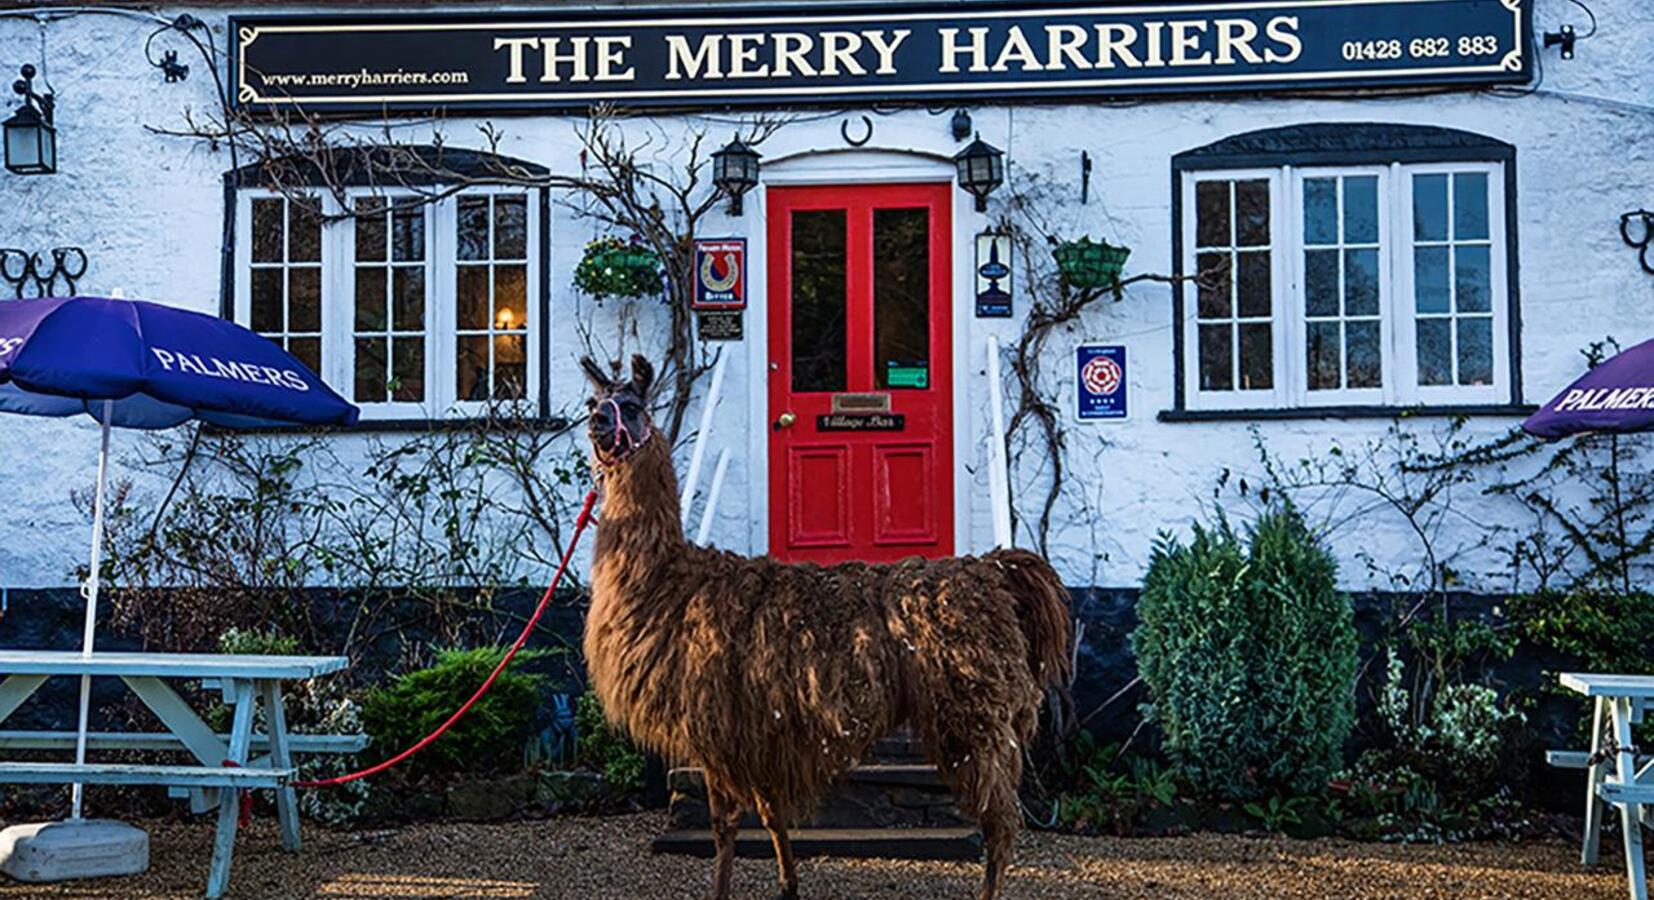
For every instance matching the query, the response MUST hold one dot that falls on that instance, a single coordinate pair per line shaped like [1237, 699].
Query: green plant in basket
[613, 268]
[1085, 264]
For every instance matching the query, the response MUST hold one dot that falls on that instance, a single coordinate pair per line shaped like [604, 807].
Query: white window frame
[1396, 298]
[338, 264]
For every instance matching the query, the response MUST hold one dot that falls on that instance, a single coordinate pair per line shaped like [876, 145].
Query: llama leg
[775, 819]
[999, 833]
[726, 818]
[986, 782]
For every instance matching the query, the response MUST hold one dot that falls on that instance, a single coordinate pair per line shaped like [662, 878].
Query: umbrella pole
[90, 590]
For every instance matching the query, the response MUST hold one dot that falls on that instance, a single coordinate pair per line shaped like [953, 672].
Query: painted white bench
[1616, 774]
[224, 763]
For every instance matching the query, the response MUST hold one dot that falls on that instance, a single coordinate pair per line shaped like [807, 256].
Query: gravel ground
[604, 858]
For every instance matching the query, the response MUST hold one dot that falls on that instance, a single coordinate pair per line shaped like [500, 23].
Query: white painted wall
[149, 210]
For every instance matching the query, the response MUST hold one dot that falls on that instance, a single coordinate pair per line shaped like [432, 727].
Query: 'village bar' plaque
[715, 56]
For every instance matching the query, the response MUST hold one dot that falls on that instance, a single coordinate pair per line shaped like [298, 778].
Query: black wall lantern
[735, 171]
[981, 170]
[31, 141]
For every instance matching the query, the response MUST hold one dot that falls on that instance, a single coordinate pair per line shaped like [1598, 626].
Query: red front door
[861, 372]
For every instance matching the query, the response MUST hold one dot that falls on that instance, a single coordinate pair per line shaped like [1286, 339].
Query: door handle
[785, 421]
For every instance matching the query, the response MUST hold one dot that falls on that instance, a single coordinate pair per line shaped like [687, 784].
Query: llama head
[617, 414]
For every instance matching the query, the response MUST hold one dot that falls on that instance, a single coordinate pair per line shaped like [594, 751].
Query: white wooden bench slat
[115, 740]
[1578, 759]
[1614, 792]
[168, 665]
[180, 776]
[1594, 685]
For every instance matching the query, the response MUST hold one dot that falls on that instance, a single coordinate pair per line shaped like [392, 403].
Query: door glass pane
[1217, 358]
[1212, 214]
[1257, 357]
[1469, 206]
[1320, 210]
[1361, 209]
[1254, 290]
[1435, 351]
[1476, 351]
[1430, 279]
[1215, 286]
[1365, 356]
[1321, 282]
[1472, 279]
[1251, 213]
[269, 231]
[1430, 207]
[819, 268]
[901, 298]
[1360, 282]
[1322, 356]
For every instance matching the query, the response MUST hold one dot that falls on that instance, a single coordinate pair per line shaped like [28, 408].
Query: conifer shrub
[1250, 656]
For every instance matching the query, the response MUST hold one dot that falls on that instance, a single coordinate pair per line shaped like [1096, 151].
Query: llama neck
[640, 517]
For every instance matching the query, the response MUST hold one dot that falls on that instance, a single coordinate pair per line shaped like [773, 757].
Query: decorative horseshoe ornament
[844, 131]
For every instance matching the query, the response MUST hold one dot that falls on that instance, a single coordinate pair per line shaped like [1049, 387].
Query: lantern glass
[735, 171]
[981, 169]
[31, 143]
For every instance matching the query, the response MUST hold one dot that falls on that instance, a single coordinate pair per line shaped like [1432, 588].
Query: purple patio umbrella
[133, 364]
[1615, 397]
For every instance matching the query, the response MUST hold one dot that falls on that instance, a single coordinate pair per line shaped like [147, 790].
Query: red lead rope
[580, 524]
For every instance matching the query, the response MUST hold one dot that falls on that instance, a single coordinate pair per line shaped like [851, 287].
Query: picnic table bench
[1616, 773]
[224, 764]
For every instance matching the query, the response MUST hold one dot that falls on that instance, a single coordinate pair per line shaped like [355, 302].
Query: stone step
[875, 796]
[852, 843]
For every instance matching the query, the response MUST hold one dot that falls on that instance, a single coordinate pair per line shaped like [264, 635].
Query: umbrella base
[64, 851]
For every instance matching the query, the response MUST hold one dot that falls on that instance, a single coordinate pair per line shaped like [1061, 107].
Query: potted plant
[1085, 264]
[611, 267]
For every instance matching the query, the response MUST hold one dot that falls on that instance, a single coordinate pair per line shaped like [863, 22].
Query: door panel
[859, 316]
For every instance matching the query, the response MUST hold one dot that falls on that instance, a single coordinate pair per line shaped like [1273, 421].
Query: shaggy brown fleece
[776, 678]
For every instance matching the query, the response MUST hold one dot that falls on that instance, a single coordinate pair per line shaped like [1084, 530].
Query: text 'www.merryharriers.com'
[365, 79]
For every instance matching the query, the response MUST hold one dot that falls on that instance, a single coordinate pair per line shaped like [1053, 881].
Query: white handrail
[999, 475]
[711, 511]
[699, 454]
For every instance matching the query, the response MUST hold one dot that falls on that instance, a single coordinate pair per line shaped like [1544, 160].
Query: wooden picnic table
[1616, 774]
[224, 763]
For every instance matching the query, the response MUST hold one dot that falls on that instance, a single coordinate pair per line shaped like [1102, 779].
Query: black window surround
[1345, 144]
[409, 166]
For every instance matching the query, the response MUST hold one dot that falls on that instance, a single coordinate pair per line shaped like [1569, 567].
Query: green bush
[1607, 631]
[603, 749]
[488, 740]
[1250, 657]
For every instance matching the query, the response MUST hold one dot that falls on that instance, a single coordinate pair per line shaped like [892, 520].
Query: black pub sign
[712, 56]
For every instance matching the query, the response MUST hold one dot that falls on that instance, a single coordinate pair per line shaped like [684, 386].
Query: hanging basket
[1084, 264]
[615, 268]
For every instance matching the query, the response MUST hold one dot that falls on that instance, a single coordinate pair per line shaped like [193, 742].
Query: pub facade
[1341, 215]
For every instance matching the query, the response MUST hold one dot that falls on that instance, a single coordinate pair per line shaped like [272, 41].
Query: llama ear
[643, 375]
[595, 374]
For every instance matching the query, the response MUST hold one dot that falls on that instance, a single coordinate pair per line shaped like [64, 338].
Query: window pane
[511, 366]
[408, 370]
[1253, 288]
[1470, 206]
[1360, 282]
[1215, 286]
[266, 300]
[1472, 280]
[511, 227]
[473, 228]
[308, 351]
[304, 298]
[471, 367]
[1217, 358]
[1364, 355]
[304, 244]
[370, 299]
[901, 298]
[269, 231]
[1251, 213]
[1361, 209]
[1320, 210]
[1430, 207]
[510, 297]
[818, 300]
[472, 290]
[1476, 351]
[408, 235]
[1435, 351]
[408, 298]
[370, 230]
[1212, 214]
[1257, 357]
[1430, 280]
[370, 370]
[1322, 356]
[1321, 282]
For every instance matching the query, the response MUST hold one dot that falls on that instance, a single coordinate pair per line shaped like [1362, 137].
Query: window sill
[1508, 410]
[401, 426]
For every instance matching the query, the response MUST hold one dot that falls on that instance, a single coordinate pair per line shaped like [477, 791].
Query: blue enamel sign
[552, 58]
[1100, 382]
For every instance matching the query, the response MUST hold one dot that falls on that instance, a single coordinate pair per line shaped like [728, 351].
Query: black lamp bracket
[1565, 37]
[24, 87]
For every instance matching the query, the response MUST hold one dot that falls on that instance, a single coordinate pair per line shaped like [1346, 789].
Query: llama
[776, 678]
